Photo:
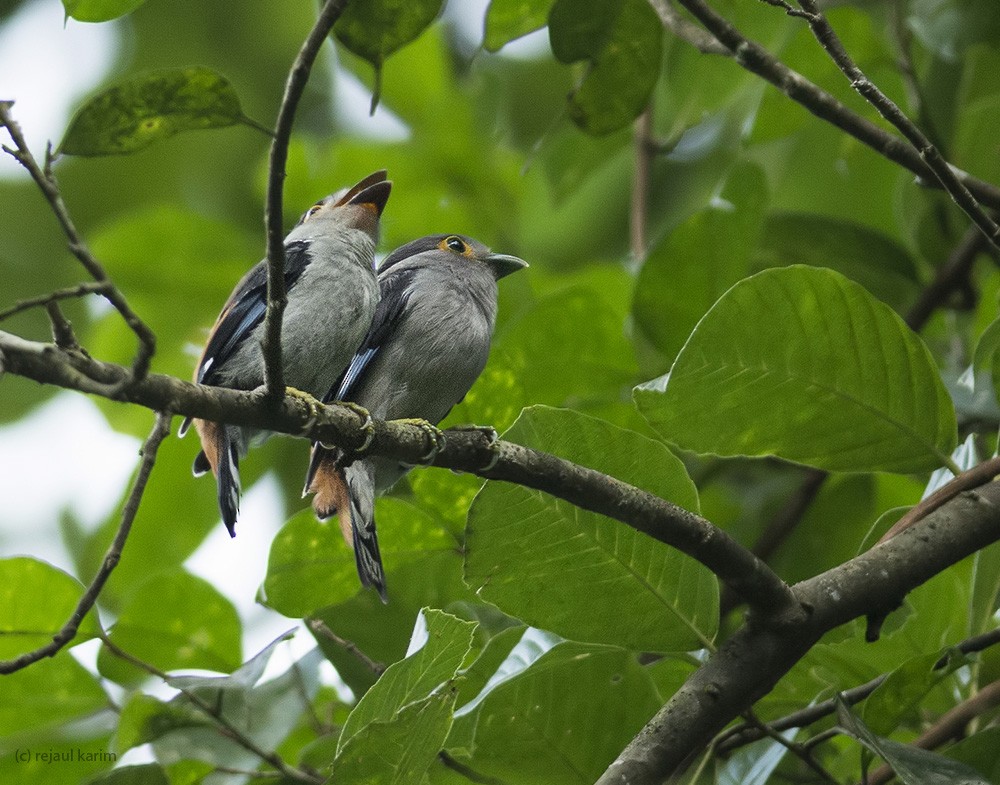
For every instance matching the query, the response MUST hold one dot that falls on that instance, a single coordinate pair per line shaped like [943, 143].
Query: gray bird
[428, 343]
[332, 291]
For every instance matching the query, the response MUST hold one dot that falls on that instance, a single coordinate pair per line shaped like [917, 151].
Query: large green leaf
[398, 751]
[447, 640]
[310, 566]
[376, 29]
[47, 693]
[99, 10]
[382, 631]
[623, 41]
[527, 731]
[912, 765]
[148, 108]
[174, 620]
[26, 621]
[804, 364]
[510, 19]
[584, 567]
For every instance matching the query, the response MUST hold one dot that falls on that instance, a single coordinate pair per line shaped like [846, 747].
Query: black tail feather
[228, 479]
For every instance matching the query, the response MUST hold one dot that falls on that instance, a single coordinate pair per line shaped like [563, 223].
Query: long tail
[220, 446]
[349, 493]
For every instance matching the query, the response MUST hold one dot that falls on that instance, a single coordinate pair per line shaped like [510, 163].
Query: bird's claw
[434, 435]
[492, 439]
[312, 405]
[367, 425]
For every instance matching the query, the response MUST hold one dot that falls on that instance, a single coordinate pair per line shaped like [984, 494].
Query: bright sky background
[47, 64]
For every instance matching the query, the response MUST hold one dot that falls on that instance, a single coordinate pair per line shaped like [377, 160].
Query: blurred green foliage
[534, 155]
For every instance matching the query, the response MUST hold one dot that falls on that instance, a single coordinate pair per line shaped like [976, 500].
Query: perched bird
[428, 343]
[332, 291]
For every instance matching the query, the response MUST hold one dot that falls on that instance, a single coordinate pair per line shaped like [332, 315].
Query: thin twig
[756, 59]
[704, 42]
[952, 275]
[62, 331]
[639, 208]
[216, 715]
[161, 429]
[888, 108]
[966, 481]
[80, 290]
[798, 750]
[46, 182]
[277, 297]
[319, 627]
[467, 771]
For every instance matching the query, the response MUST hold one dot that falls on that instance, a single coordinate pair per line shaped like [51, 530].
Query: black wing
[394, 293]
[246, 309]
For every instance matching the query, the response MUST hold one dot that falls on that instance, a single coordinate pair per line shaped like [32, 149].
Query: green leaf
[266, 714]
[377, 28]
[310, 566]
[48, 692]
[702, 258]
[510, 19]
[399, 751]
[590, 567]
[899, 696]
[155, 106]
[871, 258]
[979, 751]
[525, 730]
[448, 641]
[804, 364]
[623, 41]
[99, 10]
[26, 622]
[174, 620]
[912, 765]
[143, 719]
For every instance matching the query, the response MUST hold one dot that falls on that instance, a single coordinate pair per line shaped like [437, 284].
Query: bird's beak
[373, 196]
[347, 195]
[502, 264]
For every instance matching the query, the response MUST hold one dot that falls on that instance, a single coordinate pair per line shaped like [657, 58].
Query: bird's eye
[312, 211]
[456, 244]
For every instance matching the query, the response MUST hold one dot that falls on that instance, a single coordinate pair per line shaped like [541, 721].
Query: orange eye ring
[455, 244]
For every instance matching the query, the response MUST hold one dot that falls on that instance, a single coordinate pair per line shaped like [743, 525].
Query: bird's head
[358, 207]
[456, 247]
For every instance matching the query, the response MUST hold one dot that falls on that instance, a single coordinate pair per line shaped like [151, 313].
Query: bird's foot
[492, 440]
[312, 405]
[434, 435]
[367, 425]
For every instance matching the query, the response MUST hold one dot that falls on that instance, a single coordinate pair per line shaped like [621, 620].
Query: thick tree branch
[756, 59]
[750, 663]
[46, 181]
[277, 297]
[463, 450]
[160, 431]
